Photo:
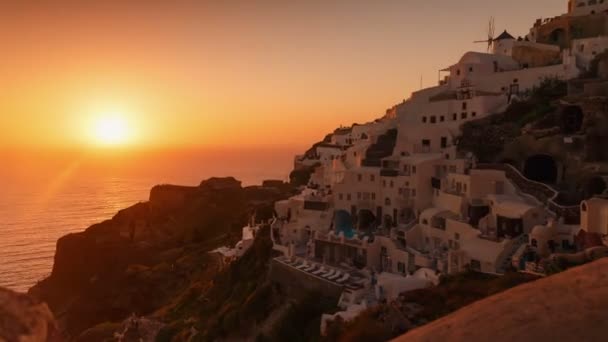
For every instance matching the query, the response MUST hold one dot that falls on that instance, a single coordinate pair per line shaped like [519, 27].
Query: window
[401, 267]
[348, 197]
[384, 183]
[464, 106]
[373, 196]
[413, 192]
[372, 178]
[474, 114]
[458, 72]
[442, 118]
[444, 142]
[358, 195]
[471, 69]
[340, 197]
[424, 119]
[534, 243]
[359, 177]
[387, 201]
[413, 169]
[457, 236]
[391, 184]
[433, 119]
[426, 142]
[463, 115]
[475, 265]
[454, 116]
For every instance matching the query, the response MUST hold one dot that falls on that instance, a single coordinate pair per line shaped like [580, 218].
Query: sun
[111, 130]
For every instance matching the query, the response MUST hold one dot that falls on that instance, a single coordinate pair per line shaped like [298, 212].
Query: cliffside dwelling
[395, 196]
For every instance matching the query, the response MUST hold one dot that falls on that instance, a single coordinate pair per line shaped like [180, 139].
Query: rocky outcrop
[148, 254]
[570, 306]
[24, 319]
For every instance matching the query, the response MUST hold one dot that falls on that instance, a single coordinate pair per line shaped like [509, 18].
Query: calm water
[43, 197]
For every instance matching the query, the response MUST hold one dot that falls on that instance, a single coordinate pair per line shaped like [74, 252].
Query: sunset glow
[327, 63]
[111, 130]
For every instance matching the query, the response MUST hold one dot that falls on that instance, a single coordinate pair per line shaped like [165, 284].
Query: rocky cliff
[23, 318]
[148, 255]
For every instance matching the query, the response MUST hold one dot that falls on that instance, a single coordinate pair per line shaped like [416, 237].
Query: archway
[558, 37]
[571, 119]
[366, 220]
[541, 168]
[343, 223]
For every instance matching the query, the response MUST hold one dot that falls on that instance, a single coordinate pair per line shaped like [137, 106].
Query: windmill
[490, 39]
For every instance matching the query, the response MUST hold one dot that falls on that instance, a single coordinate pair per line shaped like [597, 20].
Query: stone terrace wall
[298, 282]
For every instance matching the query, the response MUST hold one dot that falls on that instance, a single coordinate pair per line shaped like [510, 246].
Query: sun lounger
[343, 279]
[310, 268]
[335, 276]
[319, 271]
[330, 273]
[325, 273]
[304, 265]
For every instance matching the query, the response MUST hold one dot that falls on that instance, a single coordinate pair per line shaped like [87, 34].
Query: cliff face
[148, 254]
[570, 306]
[22, 318]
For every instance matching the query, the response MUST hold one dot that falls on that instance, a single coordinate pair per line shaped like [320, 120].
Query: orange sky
[228, 73]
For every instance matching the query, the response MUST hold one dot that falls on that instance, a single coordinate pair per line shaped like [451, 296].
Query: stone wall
[562, 30]
[298, 282]
[534, 57]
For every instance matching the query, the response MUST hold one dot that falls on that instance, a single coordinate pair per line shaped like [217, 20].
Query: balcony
[316, 205]
[389, 173]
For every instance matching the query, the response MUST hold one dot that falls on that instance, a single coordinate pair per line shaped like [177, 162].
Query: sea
[45, 195]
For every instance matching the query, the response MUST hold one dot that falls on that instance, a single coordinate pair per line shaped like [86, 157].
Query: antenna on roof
[490, 39]
[420, 81]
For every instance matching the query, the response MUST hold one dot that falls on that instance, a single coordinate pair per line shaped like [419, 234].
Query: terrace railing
[542, 192]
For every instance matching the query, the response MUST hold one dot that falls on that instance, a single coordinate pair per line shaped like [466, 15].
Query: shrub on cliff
[301, 176]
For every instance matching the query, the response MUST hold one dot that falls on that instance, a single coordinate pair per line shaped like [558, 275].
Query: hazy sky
[228, 72]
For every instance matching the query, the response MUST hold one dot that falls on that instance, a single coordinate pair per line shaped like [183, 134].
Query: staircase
[370, 297]
[382, 148]
[509, 256]
[542, 192]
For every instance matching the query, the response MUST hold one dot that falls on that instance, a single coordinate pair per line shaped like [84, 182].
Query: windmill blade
[491, 28]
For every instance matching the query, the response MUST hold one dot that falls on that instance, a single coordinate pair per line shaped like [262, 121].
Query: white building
[594, 216]
[395, 195]
[586, 7]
